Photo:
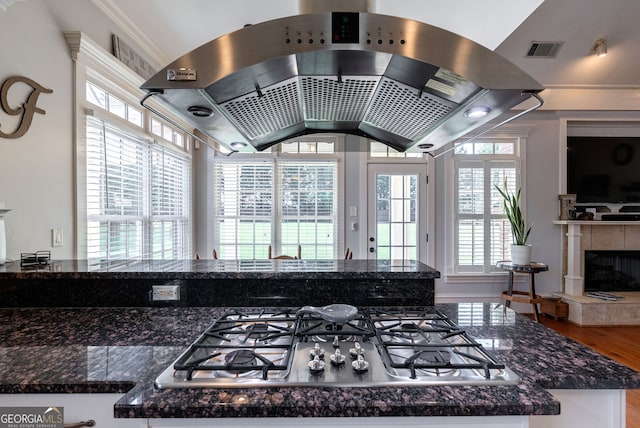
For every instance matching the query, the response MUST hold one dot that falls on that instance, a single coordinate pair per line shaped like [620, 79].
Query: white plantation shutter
[501, 238]
[482, 232]
[137, 197]
[470, 224]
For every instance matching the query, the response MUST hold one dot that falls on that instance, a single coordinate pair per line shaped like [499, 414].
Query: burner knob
[336, 341]
[317, 352]
[337, 358]
[360, 365]
[356, 350]
[316, 365]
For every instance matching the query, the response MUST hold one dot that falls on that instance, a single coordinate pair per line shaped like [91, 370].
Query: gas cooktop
[374, 347]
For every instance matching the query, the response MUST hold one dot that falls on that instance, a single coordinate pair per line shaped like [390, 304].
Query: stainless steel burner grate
[376, 348]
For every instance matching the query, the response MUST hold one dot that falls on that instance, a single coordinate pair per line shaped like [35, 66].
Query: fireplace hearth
[617, 270]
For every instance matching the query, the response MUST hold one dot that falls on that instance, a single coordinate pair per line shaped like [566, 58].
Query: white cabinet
[77, 407]
[597, 408]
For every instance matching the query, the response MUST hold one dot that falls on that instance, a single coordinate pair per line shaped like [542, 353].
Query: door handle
[89, 423]
[371, 249]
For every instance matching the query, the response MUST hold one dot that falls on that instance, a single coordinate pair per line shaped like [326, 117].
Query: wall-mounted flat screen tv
[604, 169]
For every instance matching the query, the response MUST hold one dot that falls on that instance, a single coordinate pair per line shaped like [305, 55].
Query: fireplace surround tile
[632, 238]
[607, 238]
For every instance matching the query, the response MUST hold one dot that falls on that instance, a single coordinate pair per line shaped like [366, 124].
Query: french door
[397, 212]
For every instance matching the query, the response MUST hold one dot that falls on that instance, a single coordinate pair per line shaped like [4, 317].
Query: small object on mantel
[585, 216]
[555, 308]
[567, 206]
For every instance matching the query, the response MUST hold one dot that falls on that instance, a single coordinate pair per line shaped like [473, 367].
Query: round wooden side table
[527, 297]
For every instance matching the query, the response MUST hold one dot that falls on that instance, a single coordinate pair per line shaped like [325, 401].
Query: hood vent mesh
[393, 107]
[402, 110]
[277, 107]
[326, 98]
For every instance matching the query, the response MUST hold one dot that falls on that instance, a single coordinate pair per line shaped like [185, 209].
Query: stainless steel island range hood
[401, 82]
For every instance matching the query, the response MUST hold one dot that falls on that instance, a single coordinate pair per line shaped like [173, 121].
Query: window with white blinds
[481, 231]
[308, 201]
[138, 196]
[243, 209]
[278, 202]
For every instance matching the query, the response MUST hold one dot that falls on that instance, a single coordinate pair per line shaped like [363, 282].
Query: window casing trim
[91, 62]
[517, 133]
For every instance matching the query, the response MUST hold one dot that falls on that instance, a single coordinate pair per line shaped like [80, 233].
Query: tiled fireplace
[597, 236]
[611, 271]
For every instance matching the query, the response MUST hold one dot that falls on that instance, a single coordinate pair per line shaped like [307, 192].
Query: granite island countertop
[218, 269]
[101, 350]
[218, 283]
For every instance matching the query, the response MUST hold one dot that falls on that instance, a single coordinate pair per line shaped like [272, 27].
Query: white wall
[36, 171]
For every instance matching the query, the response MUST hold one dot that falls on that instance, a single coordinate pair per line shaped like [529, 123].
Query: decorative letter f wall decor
[26, 110]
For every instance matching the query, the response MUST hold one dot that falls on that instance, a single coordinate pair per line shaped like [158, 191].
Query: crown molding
[118, 17]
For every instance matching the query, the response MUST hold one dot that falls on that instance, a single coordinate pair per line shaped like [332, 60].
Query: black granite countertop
[218, 283]
[100, 350]
[212, 269]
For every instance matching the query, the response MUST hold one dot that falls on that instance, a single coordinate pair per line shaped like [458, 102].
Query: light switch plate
[56, 238]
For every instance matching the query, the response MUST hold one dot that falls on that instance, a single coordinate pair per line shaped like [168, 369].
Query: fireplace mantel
[615, 235]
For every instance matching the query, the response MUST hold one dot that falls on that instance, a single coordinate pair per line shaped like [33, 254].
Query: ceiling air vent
[544, 49]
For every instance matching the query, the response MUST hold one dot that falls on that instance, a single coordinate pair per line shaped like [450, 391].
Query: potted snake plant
[520, 230]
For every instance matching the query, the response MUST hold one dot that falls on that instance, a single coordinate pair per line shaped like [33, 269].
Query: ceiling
[175, 28]
[167, 29]
[579, 23]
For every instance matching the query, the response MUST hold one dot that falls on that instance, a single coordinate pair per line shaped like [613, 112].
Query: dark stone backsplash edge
[348, 282]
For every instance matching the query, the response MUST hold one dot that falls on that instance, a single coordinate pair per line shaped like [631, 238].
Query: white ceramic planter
[521, 254]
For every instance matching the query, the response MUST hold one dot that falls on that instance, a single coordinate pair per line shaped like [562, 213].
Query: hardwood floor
[621, 344]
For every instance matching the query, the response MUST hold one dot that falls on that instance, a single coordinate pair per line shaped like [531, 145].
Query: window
[379, 150]
[283, 199]
[133, 185]
[101, 98]
[396, 216]
[481, 232]
[243, 209]
[308, 204]
[138, 191]
[167, 132]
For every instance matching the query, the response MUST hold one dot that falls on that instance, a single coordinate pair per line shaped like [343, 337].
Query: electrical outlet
[165, 292]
